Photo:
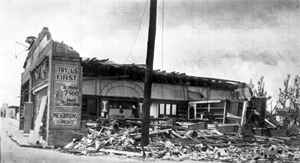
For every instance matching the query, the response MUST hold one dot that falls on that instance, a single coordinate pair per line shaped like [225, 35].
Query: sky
[227, 39]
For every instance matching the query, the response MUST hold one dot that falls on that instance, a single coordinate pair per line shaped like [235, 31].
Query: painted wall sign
[67, 94]
[65, 118]
[66, 85]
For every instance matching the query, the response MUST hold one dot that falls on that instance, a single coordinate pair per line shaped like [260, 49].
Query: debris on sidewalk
[178, 143]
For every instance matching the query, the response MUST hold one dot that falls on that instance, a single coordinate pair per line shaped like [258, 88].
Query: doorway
[192, 113]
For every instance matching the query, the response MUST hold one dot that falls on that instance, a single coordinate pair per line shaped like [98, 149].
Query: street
[11, 152]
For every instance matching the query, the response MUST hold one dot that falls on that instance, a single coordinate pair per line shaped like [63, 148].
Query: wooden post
[148, 73]
[243, 118]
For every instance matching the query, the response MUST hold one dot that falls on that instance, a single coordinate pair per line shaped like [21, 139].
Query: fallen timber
[177, 143]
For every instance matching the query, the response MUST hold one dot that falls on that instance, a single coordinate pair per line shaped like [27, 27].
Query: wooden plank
[269, 138]
[121, 152]
[140, 119]
[171, 127]
[205, 101]
[34, 134]
[243, 118]
[201, 135]
[224, 115]
[198, 126]
[153, 133]
[234, 117]
[177, 134]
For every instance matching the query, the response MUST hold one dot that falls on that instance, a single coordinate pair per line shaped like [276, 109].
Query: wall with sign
[66, 85]
[65, 118]
[53, 70]
[64, 115]
[66, 106]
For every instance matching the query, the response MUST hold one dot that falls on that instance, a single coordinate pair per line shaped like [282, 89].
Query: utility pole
[148, 74]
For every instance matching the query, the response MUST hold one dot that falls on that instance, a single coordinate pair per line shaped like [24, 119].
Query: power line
[21, 44]
[26, 47]
[16, 56]
[162, 34]
[162, 42]
[137, 32]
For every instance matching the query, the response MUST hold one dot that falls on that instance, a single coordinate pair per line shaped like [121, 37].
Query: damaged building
[62, 91]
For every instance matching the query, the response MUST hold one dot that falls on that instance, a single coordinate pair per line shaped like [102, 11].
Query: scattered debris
[178, 143]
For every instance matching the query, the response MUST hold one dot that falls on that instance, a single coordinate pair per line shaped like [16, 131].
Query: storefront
[61, 91]
[174, 95]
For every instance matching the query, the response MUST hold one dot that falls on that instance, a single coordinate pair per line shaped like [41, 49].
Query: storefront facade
[51, 91]
[107, 97]
[61, 91]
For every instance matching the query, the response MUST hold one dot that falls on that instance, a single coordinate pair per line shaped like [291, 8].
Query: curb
[11, 136]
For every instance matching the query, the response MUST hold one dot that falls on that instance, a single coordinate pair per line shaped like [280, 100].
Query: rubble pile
[178, 143]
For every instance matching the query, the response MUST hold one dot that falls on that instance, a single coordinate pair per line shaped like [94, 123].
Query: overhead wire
[162, 34]
[17, 55]
[162, 41]
[137, 32]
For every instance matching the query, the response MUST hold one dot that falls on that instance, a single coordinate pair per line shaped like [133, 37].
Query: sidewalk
[11, 127]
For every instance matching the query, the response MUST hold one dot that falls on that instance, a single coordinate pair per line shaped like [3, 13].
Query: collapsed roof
[105, 69]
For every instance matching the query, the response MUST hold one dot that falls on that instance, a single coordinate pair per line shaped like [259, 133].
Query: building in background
[9, 111]
[12, 112]
[3, 109]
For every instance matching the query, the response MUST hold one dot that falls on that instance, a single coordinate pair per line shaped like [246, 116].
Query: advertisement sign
[67, 95]
[66, 85]
[65, 118]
